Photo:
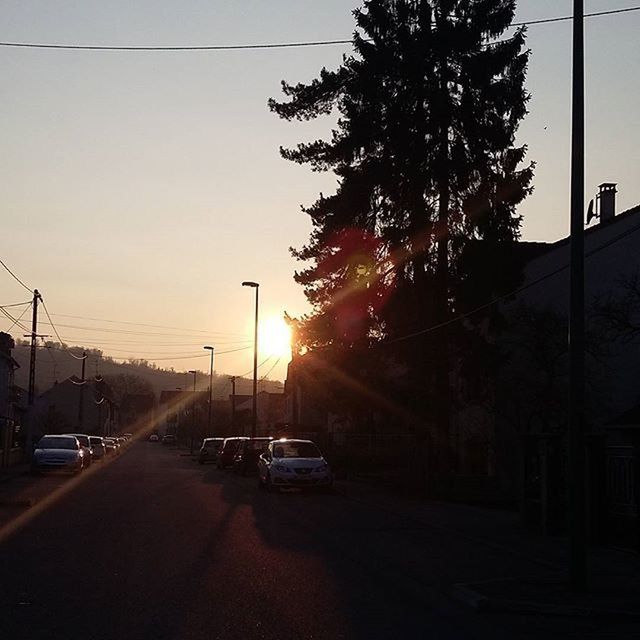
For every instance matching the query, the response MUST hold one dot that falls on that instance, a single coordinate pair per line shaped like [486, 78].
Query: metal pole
[210, 392]
[255, 371]
[576, 488]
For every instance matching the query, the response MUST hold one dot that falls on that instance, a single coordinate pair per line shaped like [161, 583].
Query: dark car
[228, 451]
[169, 439]
[209, 450]
[246, 459]
[98, 447]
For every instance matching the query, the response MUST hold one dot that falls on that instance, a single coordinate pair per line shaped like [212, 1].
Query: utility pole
[82, 385]
[233, 401]
[32, 370]
[34, 335]
[577, 488]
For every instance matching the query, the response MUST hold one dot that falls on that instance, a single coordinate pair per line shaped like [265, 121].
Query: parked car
[154, 437]
[169, 439]
[62, 453]
[98, 447]
[246, 458]
[111, 446]
[83, 438]
[209, 450]
[228, 451]
[293, 463]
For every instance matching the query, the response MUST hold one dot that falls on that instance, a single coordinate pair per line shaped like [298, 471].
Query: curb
[480, 603]
[18, 502]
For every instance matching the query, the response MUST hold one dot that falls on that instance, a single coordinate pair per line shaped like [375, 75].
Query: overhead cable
[16, 321]
[276, 45]
[15, 277]
[73, 355]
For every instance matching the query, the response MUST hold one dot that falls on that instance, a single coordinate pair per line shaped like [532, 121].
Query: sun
[275, 337]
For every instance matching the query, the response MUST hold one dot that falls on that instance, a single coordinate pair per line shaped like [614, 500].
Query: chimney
[607, 201]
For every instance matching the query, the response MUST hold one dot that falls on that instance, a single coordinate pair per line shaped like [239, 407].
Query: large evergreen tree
[424, 152]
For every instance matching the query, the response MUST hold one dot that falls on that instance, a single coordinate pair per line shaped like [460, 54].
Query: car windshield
[296, 450]
[212, 444]
[57, 443]
[83, 440]
[257, 445]
[96, 441]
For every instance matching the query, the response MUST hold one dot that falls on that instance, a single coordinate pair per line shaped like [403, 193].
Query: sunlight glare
[275, 337]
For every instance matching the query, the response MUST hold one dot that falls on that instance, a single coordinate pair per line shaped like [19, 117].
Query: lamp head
[208, 348]
[248, 283]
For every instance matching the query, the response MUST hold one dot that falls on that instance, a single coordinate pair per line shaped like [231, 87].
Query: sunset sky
[144, 187]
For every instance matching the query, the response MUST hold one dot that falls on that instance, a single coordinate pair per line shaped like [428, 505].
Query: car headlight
[322, 467]
[282, 468]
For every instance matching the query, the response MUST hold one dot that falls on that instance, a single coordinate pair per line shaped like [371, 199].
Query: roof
[630, 419]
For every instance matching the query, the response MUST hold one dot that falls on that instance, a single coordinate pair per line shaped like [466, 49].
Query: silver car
[83, 439]
[62, 453]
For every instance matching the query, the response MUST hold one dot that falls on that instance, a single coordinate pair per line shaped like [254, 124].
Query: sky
[144, 187]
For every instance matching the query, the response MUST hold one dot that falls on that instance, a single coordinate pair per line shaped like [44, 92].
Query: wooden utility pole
[577, 479]
[32, 372]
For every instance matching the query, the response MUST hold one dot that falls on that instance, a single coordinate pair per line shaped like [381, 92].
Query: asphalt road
[154, 546]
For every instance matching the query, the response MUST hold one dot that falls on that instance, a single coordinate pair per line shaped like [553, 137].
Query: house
[11, 406]
[270, 410]
[78, 406]
[516, 431]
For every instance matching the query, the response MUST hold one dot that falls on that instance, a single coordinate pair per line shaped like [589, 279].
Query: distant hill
[55, 363]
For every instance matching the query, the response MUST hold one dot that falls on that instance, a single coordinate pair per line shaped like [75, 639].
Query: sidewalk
[514, 570]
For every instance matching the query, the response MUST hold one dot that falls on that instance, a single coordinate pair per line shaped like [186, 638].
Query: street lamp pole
[254, 285]
[193, 410]
[210, 389]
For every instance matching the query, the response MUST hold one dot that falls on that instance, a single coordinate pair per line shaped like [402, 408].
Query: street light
[255, 286]
[193, 410]
[210, 388]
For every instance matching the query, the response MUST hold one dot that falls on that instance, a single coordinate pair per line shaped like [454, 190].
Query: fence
[620, 481]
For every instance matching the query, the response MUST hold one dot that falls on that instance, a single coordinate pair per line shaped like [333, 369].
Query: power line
[73, 355]
[16, 321]
[153, 326]
[15, 277]
[15, 304]
[273, 366]
[122, 331]
[276, 45]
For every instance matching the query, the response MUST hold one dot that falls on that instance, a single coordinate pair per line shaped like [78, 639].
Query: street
[155, 546]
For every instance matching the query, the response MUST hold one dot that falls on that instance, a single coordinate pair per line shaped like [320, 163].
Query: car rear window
[57, 443]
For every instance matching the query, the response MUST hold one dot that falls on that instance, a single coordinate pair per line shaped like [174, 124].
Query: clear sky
[145, 187]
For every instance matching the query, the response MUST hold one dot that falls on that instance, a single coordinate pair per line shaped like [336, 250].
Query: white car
[63, 453]
[293, 463]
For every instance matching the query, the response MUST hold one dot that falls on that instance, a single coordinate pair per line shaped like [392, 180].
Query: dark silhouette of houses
[57, 410]
[12, 406]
